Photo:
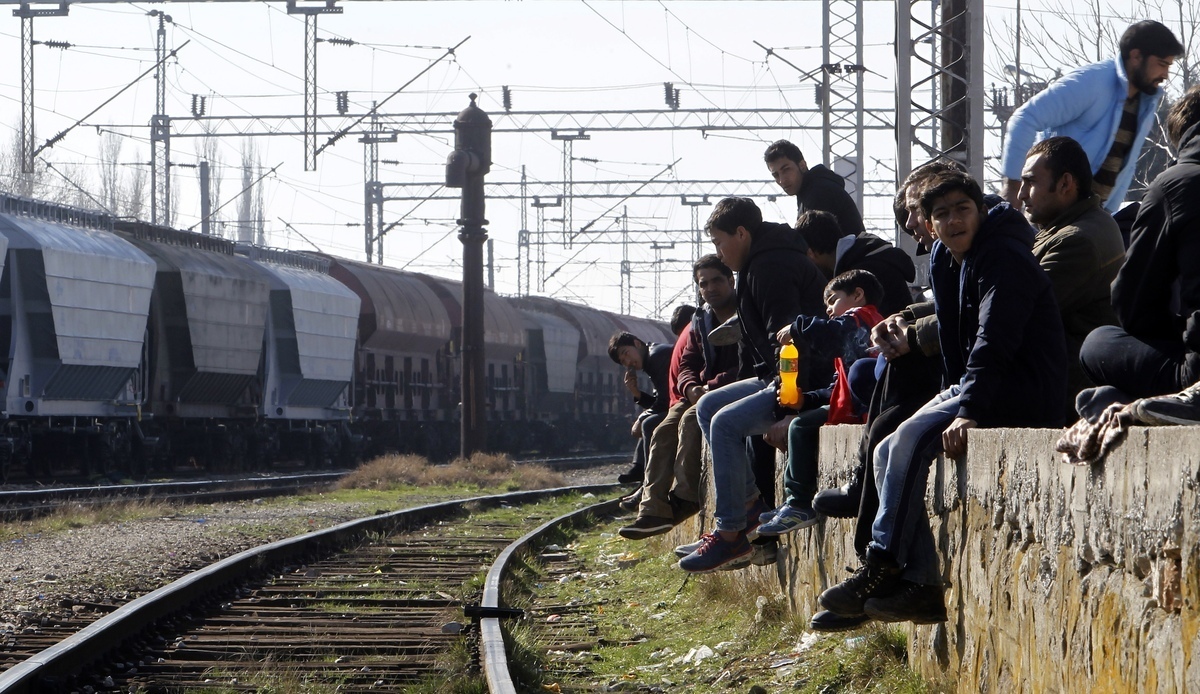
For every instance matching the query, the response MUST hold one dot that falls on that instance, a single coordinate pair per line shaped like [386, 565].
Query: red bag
[841, 402]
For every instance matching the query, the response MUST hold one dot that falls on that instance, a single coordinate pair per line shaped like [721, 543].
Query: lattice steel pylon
[940, 103]
[841, 92]
[310, 13]
[160, 130]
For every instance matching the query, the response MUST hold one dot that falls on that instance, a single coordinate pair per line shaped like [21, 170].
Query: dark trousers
[1138, 367]
[907, 383]
[648, 422]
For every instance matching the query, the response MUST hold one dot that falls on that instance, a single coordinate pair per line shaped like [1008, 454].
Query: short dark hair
[780, 149]
[900, 209]
[1184, 114]
[820, 230]
[1065, 156]
[710, 261]
[850, 280]
[1150, 38]
[681, 317]
[619, 340]
[941, 185]
[931, 168]
[731, 213]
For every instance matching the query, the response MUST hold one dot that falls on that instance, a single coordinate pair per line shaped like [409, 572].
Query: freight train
[140, 348]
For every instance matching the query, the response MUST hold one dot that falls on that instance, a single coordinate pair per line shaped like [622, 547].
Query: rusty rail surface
[365, 627]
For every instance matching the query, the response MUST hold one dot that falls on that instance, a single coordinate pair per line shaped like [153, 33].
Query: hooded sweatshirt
[777, 283]
[1157, 291]
[824, 190]
[891, 266]
[999, 325]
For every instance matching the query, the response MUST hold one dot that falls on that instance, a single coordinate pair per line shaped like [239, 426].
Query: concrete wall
[1059, 578]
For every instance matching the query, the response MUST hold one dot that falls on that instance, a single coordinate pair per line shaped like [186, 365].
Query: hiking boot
[911, 602]
[826, 621]
[715, 553]
[765, 554]
[842, 502]
[646, 526]
[874, 578]
[727, 333]
[788, 519]
[682, 509]
[1180, 408]
[635, 474]
[631, 502]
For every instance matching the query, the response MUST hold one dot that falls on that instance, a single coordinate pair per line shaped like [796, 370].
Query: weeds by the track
[480, 470]
[82, 515]
[658, 630]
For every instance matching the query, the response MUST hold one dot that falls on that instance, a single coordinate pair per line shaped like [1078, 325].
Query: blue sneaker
[715, 553]
[769, 515]
[788, 519]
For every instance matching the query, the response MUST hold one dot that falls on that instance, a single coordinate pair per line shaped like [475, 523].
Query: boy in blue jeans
[850, 300]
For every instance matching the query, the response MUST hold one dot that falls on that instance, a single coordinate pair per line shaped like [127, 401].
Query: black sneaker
[646, 526]
[874, 578]
[1180, 408]
[631, 502]
[912, 602]
[826, 621]
[635, 474]
[682, 509]
[842, 502]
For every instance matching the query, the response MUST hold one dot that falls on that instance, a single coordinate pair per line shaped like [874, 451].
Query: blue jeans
[727, 416]
[902, 462]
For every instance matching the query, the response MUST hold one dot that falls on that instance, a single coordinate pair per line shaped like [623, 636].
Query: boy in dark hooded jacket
[776, 282]
[1004, 354]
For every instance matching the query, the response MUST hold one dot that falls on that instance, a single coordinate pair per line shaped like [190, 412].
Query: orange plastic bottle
[789, 366]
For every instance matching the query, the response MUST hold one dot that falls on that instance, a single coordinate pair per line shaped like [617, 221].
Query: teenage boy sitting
[1004, 353]
[850, 300]
[776, 282]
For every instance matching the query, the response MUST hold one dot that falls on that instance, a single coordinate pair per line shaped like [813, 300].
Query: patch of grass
[648, 616]
[82, 515]
[391, 472]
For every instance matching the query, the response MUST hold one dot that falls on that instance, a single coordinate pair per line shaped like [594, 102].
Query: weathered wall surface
[1059, 578]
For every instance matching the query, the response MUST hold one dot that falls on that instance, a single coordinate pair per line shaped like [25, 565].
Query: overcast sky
[247, 59]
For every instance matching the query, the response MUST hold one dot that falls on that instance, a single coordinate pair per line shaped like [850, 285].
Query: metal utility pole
[310, 13]
[373, 190]
[160, 130]
[940, 106]
[27, 13]
[466, 167]
[698, 240]
[568, 177]
[205, 200]
[842, 92]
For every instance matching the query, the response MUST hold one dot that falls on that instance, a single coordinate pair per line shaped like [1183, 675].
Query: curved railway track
[368, 605]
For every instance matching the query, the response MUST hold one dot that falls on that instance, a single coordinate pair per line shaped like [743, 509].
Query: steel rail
[493, 654]
[58, 663]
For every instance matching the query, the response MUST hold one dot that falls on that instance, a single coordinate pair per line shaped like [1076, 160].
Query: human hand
[777, 435]
[631, 383]
[636, 430]
[954, 438]
[695, 392]
[784, 336]
[891, 337]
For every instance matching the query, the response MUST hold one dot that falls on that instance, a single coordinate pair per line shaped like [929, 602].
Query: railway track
[20, 504]
[365, 606]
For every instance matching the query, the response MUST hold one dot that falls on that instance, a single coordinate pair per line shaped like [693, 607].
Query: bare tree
[207, 149]
[110, 170]
[135, 189]
[246, 229]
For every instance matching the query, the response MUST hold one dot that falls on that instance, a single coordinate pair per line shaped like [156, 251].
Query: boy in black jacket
[1004, 353]
[776, 282]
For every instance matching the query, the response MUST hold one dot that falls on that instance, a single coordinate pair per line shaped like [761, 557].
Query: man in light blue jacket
[1107, 107]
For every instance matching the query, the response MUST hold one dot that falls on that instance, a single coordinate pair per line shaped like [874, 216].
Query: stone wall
[1059, 578]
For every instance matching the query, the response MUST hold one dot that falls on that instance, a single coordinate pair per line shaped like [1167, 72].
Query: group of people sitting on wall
[1039, 310]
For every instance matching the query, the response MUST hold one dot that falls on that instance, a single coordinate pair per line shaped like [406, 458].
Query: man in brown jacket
[1078, 244]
